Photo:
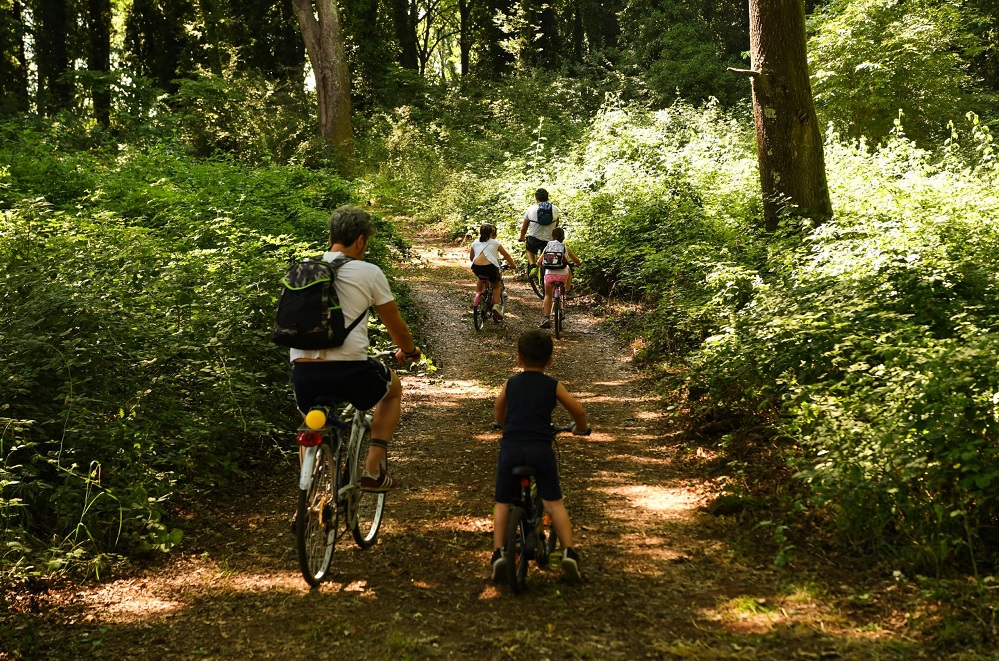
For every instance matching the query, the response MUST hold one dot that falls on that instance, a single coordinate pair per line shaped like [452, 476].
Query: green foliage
[871, 344]
[862, 349]
[873, 59]
[138, 294]
[676, 52]
[247, 117]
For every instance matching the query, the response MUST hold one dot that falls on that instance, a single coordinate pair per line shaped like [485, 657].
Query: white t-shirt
[542, 232]
[359, 285]
[489, 248]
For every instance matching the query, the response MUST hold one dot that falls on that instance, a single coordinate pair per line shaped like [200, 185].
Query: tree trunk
[99, 57]
[465, 34]
[788, 139]
[324, 44]
[52, 57]
[13, 66]
[405, 32]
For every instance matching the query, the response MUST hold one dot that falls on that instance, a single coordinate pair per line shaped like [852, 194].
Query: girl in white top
[484, 256]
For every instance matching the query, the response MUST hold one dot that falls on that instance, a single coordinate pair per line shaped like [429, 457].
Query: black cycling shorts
[363, 383]
[539, 455]
[535, 244]
[489, 271]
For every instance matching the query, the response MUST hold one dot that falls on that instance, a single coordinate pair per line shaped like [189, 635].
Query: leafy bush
[873, 338]
[872, 59]
[139, 363]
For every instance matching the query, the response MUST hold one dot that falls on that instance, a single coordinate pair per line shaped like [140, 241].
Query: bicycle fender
[308, 461]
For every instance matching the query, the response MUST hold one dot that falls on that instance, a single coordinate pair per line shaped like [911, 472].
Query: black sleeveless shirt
[530, 400]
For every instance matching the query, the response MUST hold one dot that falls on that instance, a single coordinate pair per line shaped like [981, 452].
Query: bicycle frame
[333, 454]
[558, 311]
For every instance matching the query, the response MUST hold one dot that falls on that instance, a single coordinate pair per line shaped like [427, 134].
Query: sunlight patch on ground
[471, 524]
[656, 499]
[491, 591]
[133, 607]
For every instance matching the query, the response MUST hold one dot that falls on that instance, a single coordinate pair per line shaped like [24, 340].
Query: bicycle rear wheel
[516, 550]
[546, 538]
[536, 277]
[315, 528]
[365, 508]
[557, 317]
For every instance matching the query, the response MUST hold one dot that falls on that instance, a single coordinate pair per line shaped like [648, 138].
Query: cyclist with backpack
[346, 372]
[556, 259]
[539, 221]
[484, 256]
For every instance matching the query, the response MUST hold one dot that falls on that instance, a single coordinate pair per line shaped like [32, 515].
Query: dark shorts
[541, 456]
[490, 272]
[535, 245]
[363, 383]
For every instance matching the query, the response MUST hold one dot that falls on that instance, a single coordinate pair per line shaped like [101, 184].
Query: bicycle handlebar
[556, 429]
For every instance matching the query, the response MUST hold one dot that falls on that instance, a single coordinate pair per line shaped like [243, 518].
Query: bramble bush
[138, 309]
[865, 347]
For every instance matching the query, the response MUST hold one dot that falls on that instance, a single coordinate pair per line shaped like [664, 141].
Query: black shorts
[363, 383]
[535, 244]
[489, 271]
[539, 455]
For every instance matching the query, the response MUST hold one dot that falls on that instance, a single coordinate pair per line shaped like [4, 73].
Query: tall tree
[323, 36]
[488, 37]
[156, 42]
[788, 139]
[540, 34]
[51, 55]
[13, 66]
[98, 21]
[404, 18]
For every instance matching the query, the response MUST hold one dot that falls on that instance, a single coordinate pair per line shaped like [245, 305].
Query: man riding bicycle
[539, 221]
[347, 373]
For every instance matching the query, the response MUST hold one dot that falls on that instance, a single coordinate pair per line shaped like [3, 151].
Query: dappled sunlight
[133, 607]
[657, 499]
[490, 591]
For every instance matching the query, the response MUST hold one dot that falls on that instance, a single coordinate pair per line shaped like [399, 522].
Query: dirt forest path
[663, 579]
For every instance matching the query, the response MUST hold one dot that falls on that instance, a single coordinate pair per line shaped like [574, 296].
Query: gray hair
[349, 222]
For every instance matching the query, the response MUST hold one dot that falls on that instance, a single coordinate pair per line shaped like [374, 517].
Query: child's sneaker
[545, 323]
[570, 565]
[497, 316]
[498, 564]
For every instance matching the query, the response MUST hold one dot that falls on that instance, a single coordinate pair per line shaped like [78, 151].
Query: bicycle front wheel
[478, 317]
[516, 550]
[366, 507]
[315, 525]
[536, 277]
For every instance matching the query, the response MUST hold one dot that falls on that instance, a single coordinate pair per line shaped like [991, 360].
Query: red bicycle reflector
[309, 438]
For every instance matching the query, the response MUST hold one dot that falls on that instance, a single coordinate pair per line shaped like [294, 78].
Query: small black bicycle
[529, 532]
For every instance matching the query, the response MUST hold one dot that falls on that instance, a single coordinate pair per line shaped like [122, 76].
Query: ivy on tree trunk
[321, 31]
[788, 139]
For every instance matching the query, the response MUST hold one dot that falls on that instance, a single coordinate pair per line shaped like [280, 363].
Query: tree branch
[752, 73]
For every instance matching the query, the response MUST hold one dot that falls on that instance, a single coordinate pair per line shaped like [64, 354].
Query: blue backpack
[546, 215]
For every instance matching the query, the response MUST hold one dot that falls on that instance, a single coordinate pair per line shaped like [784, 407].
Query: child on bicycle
[524, 409]
[561, 255]
[484, 256]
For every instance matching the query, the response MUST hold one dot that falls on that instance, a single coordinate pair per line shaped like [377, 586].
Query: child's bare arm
[507, 257]
[499, 408]
[574, 408]
[471, 254]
